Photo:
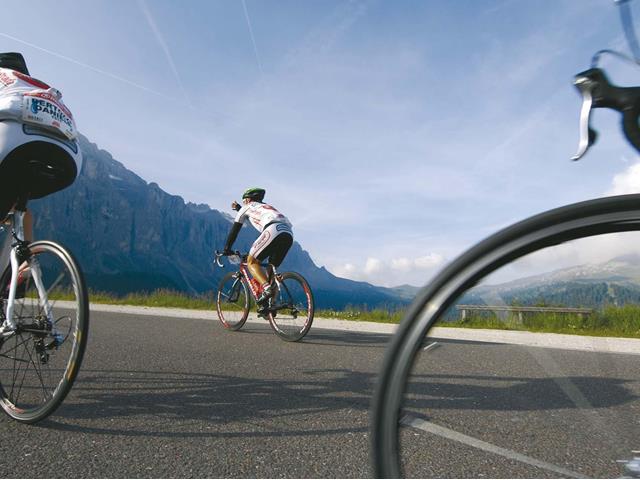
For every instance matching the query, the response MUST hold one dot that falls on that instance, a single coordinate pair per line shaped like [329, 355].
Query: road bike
[44, 323]
[412, 385]
[289, 310]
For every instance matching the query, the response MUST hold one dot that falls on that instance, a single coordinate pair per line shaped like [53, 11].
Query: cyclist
[274, 241]
[39, 151]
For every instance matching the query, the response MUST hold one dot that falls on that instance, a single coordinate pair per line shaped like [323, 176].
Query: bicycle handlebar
[598, 92]
[219, 255]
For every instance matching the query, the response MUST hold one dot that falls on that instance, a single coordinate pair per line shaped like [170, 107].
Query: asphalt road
[168, 397]
[504, 411]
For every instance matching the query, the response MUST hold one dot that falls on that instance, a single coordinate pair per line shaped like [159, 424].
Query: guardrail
[520, 310]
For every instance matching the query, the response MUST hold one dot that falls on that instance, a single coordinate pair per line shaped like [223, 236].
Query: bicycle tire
[571, 222]
[292, 297]
[233, 301]
[45, 366]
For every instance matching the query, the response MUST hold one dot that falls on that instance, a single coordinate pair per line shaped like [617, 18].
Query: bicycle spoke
[37, 368]
[292, 308]
[232, 302]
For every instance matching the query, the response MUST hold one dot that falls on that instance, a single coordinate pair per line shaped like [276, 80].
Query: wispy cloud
[90, 67]
[165, 48]
[253, 38]
[327, 33]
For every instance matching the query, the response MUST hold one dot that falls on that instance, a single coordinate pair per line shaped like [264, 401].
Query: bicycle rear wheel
[431, 403]
[291, 312]
[233, 301]
[39, 363]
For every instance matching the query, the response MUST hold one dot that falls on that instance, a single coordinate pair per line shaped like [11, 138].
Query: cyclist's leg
[275, 252]
[278, 249]
[256, 270]
[10, 180]
[28, 226]
[254, 257]
[273, 243]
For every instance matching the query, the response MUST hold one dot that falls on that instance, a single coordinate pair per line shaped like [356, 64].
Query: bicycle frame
[244, 271]
[17, 233]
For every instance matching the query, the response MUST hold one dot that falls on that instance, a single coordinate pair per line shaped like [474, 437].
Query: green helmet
[254, 193]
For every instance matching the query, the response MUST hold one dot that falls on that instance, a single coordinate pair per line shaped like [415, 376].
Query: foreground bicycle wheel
[233, 301]
[292, 307]
[39, 363]
[468, 408]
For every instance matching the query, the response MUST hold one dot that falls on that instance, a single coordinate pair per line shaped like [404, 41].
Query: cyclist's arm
[235, 228]
[233, 234]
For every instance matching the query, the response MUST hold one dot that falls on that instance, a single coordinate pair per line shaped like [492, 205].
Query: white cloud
[626, 182]
[392, 272]
[429, 261]
[401, 264]
[373, 266]
[585, 251]
[347, 270]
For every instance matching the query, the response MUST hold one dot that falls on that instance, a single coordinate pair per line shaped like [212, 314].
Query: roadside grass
[157, 298]
[610, 321]
[206, 301]
[378, 315]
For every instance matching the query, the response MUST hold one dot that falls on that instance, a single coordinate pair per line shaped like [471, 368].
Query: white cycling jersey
[39, 148]
[260, 215]
[26, 99]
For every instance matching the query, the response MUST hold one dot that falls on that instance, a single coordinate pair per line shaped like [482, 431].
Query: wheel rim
[38, 363]
[292, 304]
[232, 302]
[396, 425]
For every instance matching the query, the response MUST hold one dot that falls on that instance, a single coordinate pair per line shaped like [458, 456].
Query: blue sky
[394, 134]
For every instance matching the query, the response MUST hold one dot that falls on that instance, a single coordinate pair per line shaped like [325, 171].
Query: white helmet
[39, 151]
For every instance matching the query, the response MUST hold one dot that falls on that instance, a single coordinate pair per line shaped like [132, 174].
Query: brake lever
[598, 92]
[588, 135]
[217, 259]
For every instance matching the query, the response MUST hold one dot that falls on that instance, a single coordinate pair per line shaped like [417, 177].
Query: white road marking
[431, 346]
[481, 445]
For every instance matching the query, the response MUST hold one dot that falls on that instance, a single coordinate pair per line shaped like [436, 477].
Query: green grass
[158, 298]
[610, 321]
[378, 315]
[173, 299]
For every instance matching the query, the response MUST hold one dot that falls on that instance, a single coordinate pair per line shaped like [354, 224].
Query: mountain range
[131, 236]
[615, 282]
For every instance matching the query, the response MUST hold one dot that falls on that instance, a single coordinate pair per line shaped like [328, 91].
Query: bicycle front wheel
[233, 301]
[39, 363]
[449, 402]
[291, 312]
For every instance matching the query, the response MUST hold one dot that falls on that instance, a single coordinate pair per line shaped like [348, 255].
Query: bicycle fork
[9, 324]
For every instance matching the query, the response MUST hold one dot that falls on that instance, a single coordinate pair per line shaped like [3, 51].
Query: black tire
[292, 308]
[585, 219]
[37, 370]
[233, 301]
